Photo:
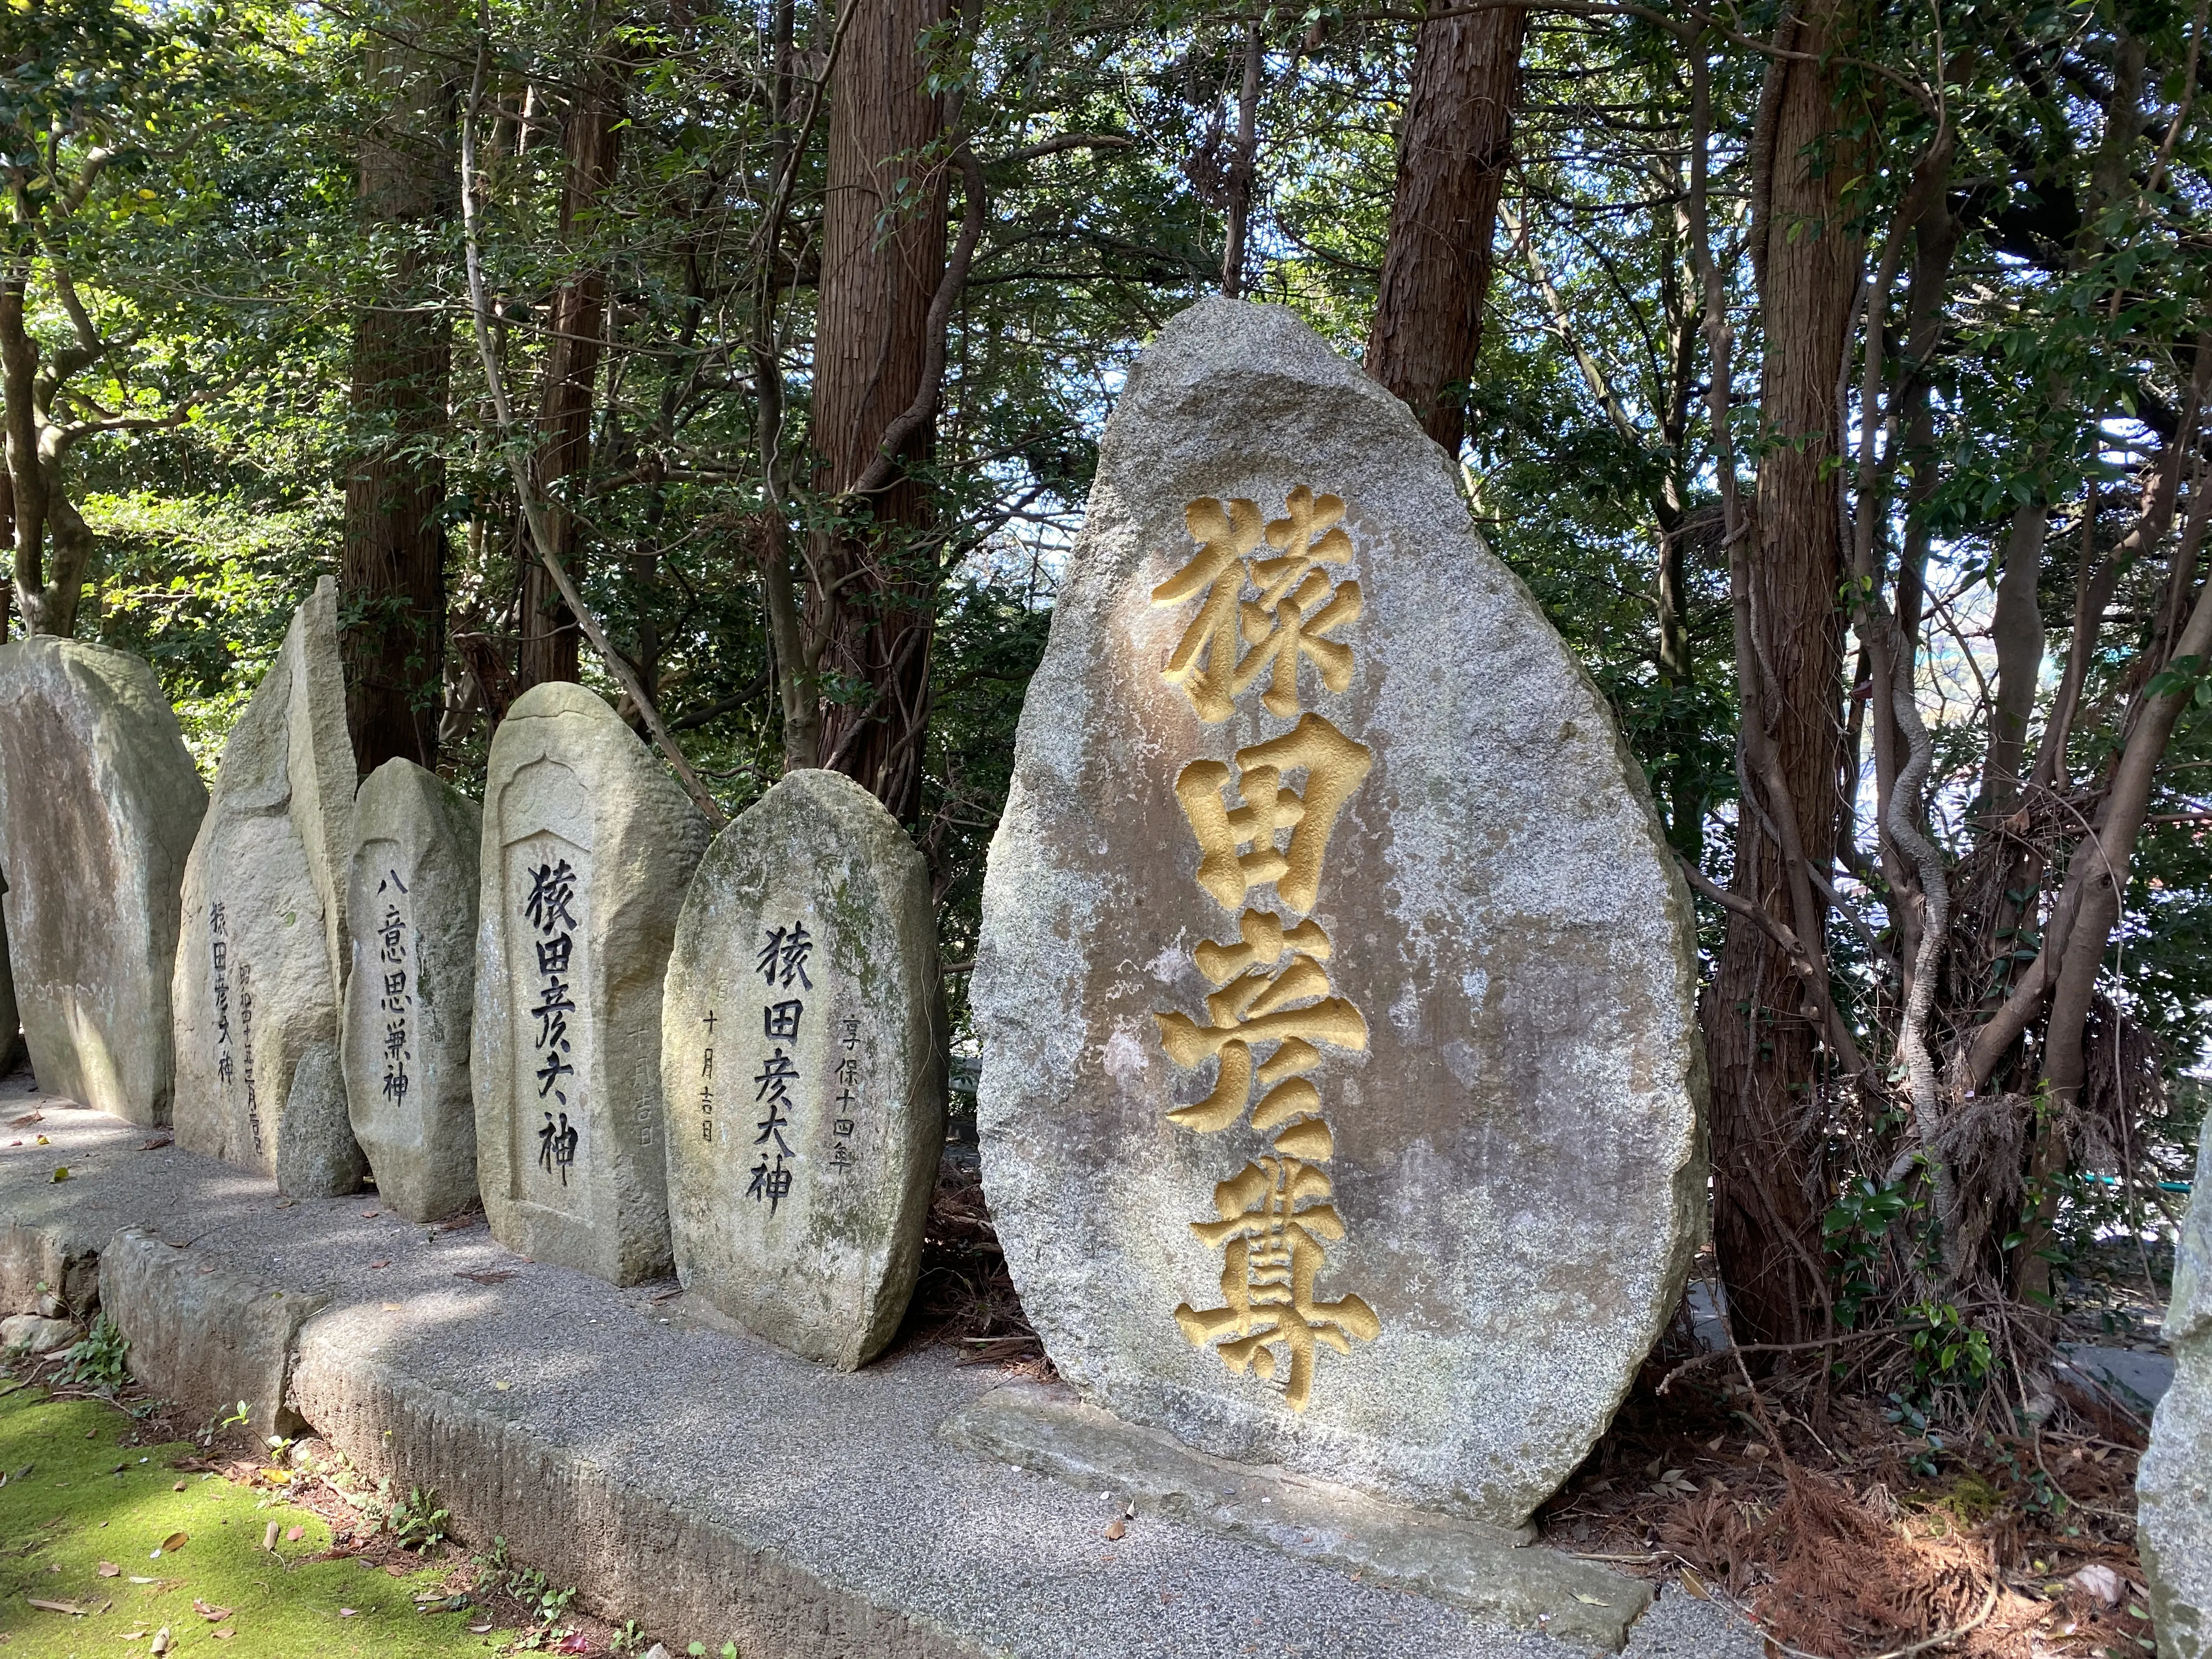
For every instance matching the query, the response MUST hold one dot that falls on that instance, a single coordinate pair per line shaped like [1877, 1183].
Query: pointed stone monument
[264, 940]
[99, 803]
[2173, 1486]
[803, 1037]
[587, 848]
[412, 894]
[1340, 1090]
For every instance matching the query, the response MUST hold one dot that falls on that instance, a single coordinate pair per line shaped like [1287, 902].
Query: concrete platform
[699, 1482]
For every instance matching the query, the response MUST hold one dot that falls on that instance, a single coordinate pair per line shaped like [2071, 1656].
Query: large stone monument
[803, 1037]
[2173, 1485]
[264, 940]
[587, 848]
[1340, 1102]
[411, 891]
[98, 803]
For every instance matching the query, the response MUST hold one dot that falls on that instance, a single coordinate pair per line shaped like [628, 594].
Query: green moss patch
[82, 1492]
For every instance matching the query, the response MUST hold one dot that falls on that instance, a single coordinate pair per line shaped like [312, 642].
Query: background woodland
[1834, 372]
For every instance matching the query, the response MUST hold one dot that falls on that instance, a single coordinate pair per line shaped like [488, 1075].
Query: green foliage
[416, 1522]
[100, 1360]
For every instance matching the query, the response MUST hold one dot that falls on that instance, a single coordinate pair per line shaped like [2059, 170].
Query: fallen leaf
[381, 1264]
[77, 1608]
[277, 1477]
[269, 1536]
[494, 1276]
[574, 1642]
[1590, 1600]
[180, 1486]
[368, 1215]
[175, 1542]
[109, 1570]
[295, 1534]
[133, 1635]
[211, 1614]
[160, 1642]
[1695, 1585]
[482, 1627]
[27, 1117]
[62, 1173]
[345, 1612]
[222, 1632]
[154, 1145]
[398, 1569]
[1117, 1528]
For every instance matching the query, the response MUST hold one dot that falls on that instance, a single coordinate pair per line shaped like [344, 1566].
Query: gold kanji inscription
[1273, 1217]
[1334, 766]
[1274, 1009]
[1204, 662]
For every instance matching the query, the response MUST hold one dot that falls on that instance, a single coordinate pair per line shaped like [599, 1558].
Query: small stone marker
[99, 803]
[803, 1031]
[587, 847]
[264, 940]
[2173, 1485]
[1340, 1062]
[412, 894]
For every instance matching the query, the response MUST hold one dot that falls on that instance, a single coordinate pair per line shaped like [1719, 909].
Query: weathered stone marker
[2173, 1486]
[587, 847]
[99, 803]
[1340, 1066]
[264, 940]
[802, 1036]
[411, 892]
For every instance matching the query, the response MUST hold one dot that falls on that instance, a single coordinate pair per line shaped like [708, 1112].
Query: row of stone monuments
[1340, 1082]
[551, 1003]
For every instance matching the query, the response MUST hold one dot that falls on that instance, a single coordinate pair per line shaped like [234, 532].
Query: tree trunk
[576, 325]
[1245, 170]
[2016, 628]
[1768, 1173]
[876, 608]
[392, 574]
[1451, 169]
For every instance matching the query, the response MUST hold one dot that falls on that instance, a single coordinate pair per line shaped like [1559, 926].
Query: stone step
[686, 1475]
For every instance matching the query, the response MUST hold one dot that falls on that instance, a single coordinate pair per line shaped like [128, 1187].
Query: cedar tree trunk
[1451, 169]
[881, 265]
[592, 143]
[1769, 1185]
[392, 563]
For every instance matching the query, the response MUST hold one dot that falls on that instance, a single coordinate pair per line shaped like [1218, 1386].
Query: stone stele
[263, 942]
[411, 891]
[99, 803]
[803, 1044]
[2173, 1486]
[587, 848]
[1341, 1101]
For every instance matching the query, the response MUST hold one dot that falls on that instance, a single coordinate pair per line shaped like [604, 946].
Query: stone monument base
[1486, 1569]
[704, 1483]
